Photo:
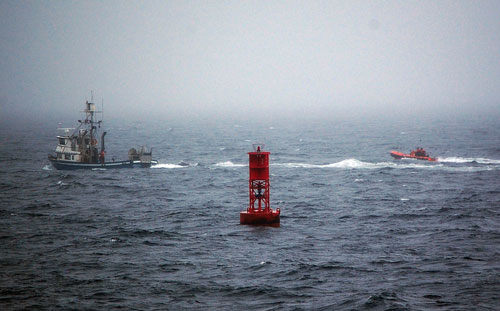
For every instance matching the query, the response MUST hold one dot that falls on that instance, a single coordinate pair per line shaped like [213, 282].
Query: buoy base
[256, 218]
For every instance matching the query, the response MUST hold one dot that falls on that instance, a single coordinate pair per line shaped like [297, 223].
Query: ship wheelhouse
[68, 148]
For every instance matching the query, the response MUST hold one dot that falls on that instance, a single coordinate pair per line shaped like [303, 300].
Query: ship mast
[90, 110]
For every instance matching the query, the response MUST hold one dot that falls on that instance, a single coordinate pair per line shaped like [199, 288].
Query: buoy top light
[258, 147]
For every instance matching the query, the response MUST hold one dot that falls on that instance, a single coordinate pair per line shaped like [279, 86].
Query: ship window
[72, 157]
[87, 141]
[62, 141]
[59, 156]
[66, 156]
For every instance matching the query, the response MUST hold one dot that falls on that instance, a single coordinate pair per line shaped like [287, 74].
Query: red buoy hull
[271, 218]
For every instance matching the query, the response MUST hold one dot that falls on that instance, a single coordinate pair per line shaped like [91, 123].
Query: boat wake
[357, 164]
[166, 165]
[468, 160]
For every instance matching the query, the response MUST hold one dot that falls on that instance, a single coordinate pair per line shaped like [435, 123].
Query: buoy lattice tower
[259, 211]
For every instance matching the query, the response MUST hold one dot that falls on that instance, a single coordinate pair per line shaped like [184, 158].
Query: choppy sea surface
[359, 230]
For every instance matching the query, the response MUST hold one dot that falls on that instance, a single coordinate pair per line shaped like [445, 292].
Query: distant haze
[242, 59]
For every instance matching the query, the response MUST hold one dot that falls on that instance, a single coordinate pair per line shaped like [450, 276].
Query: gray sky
[236, 58]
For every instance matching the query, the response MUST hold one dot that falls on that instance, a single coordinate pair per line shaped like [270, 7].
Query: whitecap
[469, 160]
[228, 164]
[296, 165]
[166, 165]
[352, 163]
[356, 164]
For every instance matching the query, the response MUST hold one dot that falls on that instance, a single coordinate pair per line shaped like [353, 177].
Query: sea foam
[228, 164]
[166, 165]
[354, 164]
[468, 160]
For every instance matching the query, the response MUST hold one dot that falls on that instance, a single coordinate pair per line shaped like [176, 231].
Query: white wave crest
[229, 164]
[168, 166]
[348, 163]
[47, 168]
[469, 160]
[297, 165]
[356, 164]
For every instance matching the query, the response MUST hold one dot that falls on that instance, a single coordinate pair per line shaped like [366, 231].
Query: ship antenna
[102, 109]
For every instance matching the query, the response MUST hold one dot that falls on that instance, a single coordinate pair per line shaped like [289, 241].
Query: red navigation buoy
[258, 183]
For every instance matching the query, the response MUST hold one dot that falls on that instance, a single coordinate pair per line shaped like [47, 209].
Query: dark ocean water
[359, 231]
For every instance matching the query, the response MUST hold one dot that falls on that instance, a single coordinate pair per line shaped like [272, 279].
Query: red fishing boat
[419, 154]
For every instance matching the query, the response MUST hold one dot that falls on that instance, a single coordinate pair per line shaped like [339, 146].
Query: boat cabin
[419, 152]
[76, 147]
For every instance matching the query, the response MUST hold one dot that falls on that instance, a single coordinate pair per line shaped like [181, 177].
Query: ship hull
[69, 165]
[399, 155]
